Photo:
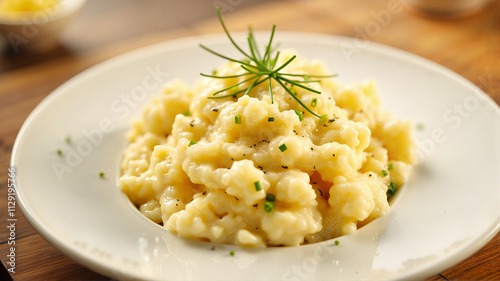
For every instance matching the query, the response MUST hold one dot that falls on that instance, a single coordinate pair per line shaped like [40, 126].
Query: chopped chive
[68, 140]
[231, 253]
[384, 173]
[214, 72]
[299, 113]
[420, 126]
[337, 242]
[282, 147]
[268, 207]
[392, 188]
[323, 119]
[101, 175]
[270, 119]
[192, 142]
[314, 102]
[237, 119]
[390, 166]
[186, 113]
[270, 197]
[257, 186]
[59, 152]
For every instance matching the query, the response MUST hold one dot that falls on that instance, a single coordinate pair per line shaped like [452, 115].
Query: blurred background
[45, 42]
[100, 23]
[451, 30]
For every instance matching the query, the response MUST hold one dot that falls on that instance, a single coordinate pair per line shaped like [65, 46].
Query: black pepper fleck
[320, 192]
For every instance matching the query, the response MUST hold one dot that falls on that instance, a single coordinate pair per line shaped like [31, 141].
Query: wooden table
[469, 46]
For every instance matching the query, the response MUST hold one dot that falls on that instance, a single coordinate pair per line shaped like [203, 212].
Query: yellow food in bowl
[26, 5]
[254, 172]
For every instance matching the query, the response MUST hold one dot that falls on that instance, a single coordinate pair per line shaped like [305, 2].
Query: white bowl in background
[37, 31]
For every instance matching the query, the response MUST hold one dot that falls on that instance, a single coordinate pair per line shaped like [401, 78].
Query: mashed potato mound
[249, 172]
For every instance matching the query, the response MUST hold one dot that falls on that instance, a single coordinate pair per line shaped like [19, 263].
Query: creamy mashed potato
[250, 172]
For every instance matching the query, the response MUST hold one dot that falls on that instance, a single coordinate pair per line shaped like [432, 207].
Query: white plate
[446, 213]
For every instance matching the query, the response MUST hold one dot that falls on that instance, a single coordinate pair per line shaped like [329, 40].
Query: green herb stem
[257, 186]
[237, 119]
[323, 119]
[283, 147]
[299, 113]
[261, 68]
[268, 207]
[270, 197]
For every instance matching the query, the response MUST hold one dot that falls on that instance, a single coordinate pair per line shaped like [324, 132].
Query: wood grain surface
[469, 46]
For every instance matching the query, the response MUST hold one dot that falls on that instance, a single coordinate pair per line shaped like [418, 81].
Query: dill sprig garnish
[262, 68]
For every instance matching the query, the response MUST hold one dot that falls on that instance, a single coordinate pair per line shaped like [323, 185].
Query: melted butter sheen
[196, 173]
